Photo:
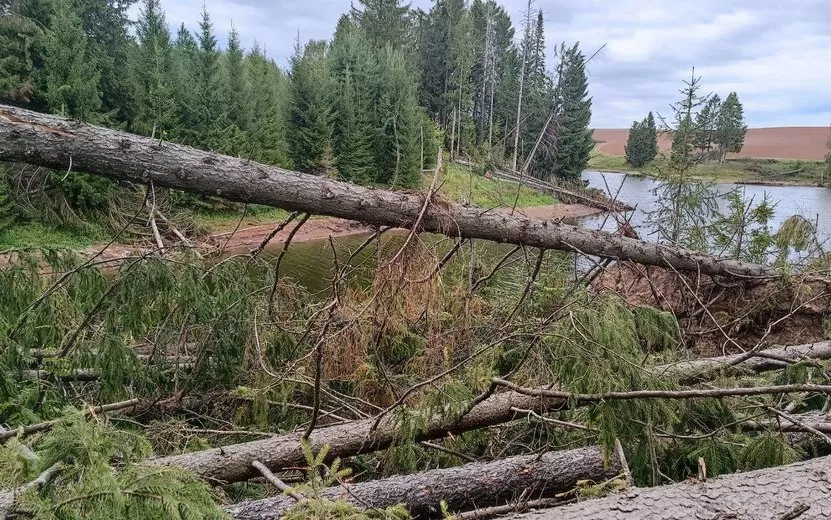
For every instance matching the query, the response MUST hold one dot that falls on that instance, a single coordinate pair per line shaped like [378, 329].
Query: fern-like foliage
[101, 478]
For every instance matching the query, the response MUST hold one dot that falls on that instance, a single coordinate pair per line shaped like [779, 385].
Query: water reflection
[812, 203]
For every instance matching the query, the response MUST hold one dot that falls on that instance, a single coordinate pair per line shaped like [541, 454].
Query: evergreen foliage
[574, 138]
[99, 477]
[21, 33]
[385, 22]
[642, 143]
[705, 124]
[310, 109]
[72, 78]
[730, 126]
[155, 112]
[268, 101]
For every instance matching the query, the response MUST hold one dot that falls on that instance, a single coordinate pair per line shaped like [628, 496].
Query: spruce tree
[642, 144]
[106, 25]
[398, 141]
[354, 69]
[705, 124]
[210, 114]
[730, 126]
[574, 138]
[20, 34]
[460, 91]
[652, 135]
[72, 76]
[310, 109]
[235, 85]
[636, 145]
[155, 92]
[266, 129]
[386, 22]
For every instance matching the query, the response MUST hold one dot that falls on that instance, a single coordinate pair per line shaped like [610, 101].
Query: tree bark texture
[479, 484]
[687, 372]
[768, 494]
[233, 463]
[55, 142]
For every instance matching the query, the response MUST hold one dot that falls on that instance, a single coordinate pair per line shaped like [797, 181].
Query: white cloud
[776, 57]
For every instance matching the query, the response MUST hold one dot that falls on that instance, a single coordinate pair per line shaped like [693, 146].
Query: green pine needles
[100, 477]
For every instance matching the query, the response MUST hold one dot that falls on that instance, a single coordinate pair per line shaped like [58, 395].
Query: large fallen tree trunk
[686, 372]
[55, 142]
[480, 484]
[768, 494]
[233, 463]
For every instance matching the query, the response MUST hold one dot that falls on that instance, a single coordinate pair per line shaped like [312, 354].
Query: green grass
[732, 170]
[214, 221]
[34, 234]
[602, 161]
[458, 185]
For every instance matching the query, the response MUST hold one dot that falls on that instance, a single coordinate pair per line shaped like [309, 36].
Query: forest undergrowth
[213, 352]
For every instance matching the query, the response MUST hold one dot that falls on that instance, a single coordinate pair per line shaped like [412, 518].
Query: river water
[310, 263]
[812, 203]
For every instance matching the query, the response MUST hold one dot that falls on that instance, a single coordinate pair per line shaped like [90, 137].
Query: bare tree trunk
[768, 494]
[522, 83]
[479, 484]
[51, 141]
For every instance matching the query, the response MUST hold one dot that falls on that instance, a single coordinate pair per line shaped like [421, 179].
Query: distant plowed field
[808, 143]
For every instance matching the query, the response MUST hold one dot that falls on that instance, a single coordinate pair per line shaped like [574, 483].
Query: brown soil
[806, 143]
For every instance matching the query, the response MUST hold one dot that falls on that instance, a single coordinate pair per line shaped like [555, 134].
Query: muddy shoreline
[248, 238]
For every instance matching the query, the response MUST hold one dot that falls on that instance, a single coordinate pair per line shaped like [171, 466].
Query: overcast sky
[775, 54]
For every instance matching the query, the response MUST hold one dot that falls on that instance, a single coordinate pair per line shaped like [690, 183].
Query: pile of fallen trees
[480, 488]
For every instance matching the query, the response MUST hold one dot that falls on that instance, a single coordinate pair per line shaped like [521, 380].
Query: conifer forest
[355, 285]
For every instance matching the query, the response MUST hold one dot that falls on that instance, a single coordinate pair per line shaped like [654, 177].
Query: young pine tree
[574, 138]
[705, 124]
[730, 126]
[310, 110]
[354, 69]
[266, 129]
[155, 92]
[210, 112]
[386, 22]
[72, 77]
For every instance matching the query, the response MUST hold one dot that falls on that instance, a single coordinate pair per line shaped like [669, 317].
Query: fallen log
[768, 494]
[480, 484]
[687, 372]
[55, 142]
[233, 463]
[8, 498]
[46, 425]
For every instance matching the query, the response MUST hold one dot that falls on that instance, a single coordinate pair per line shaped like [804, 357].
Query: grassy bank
[457, 184]
[460, 184]
[746, 170]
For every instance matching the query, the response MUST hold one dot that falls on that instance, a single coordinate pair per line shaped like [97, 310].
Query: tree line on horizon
[362, 105]
[704, 126]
